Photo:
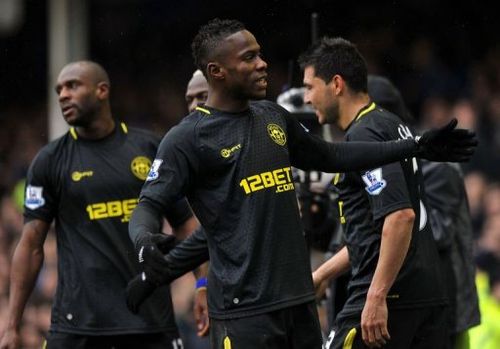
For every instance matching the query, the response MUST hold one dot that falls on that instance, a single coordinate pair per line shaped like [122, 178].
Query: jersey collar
[123, 127]
[362, 112]
[365, 110]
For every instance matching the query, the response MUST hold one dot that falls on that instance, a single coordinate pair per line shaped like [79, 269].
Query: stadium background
[444, 56]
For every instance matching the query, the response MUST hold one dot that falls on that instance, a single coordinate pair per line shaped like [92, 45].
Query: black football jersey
[90, 189]
[235, 171]
[366, 198]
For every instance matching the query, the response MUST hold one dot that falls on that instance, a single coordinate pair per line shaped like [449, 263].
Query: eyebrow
[58, 86]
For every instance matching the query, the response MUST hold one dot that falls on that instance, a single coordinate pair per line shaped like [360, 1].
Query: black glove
[447, 143]
[151, 249]
[138, 290]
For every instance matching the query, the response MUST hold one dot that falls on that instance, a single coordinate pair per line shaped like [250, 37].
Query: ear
[337, 84]
[215, 71]
[102, 90]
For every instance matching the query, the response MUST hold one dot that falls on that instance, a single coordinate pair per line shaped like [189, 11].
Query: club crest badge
[34, 197]
[374, 181]
[140, 166]
[154, 171]
[277, 134]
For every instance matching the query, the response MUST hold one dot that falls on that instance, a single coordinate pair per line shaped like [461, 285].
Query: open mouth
[262, 82]
[68, 109]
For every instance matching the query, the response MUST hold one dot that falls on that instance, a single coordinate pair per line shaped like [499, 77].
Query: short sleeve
[40, 200]
[174, 168]
[385, 185]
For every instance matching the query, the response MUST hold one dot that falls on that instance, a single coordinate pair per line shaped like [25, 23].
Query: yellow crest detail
[140, 167]
[276, 133]
[225, 153]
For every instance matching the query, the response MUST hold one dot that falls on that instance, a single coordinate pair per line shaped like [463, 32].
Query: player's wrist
[201, 284]
[376, 295]
[143, 238]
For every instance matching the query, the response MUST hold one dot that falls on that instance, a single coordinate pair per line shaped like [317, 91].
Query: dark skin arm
[26, 263]
[200, 306]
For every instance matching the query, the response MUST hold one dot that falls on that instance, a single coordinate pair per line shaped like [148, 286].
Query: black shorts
[419, 328]
[295, 327]
[58, 340]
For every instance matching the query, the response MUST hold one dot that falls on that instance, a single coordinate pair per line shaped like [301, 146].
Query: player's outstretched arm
[444, 144]
[26, 264]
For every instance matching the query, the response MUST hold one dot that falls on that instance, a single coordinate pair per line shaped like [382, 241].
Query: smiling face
[242, 68]
[79, 94]
[321, 97]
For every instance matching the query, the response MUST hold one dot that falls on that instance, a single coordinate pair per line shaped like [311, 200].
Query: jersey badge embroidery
[34, 197]
[77, 176]
[277, 134]
[374, 181]
[153, 172]
[140, 166]
[227, 152]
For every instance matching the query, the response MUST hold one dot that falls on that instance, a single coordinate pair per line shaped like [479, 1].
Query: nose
[261, 64]
[63, 94]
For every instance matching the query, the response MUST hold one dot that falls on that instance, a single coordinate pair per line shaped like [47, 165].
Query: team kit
[223, 178]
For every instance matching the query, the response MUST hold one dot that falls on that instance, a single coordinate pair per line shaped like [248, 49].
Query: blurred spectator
[475, 186]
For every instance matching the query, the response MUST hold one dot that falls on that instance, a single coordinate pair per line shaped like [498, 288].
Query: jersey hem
[266, 308]
[113, 331]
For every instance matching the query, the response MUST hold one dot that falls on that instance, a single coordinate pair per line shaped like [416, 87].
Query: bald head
[92, 70]
[83, 92]
[197, 90]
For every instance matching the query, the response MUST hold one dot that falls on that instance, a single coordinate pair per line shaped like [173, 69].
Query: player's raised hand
[447, 143]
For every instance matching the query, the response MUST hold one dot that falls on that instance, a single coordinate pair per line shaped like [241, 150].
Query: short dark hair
[209, 36]
[331, 56]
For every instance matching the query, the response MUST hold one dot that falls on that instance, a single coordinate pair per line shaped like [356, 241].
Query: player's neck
[350, 108]
[224, 102]
[97, 129]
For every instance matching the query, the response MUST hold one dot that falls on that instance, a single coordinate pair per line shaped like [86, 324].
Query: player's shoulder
[141, 135]
[56, 146]
[267, 107]
[377, 124]
[140, 132]
[49, 154]
[185, 131]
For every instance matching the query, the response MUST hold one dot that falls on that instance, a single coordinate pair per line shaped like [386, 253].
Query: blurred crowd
[431, 92]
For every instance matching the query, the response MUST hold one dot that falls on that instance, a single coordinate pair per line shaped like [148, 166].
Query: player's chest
[251, 144]
[97, 172]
